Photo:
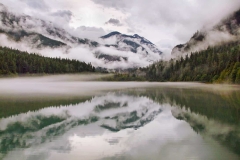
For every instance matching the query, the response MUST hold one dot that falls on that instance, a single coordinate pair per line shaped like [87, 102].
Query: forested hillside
[229, 26]
[216, 64]
[17, 62]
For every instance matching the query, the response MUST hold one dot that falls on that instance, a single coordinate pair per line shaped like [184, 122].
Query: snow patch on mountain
[132, 43]
[112, 51]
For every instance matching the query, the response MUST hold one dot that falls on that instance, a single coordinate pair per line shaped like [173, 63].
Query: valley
[119, 80]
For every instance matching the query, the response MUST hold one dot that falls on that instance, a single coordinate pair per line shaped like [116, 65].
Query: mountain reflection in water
[162, 123]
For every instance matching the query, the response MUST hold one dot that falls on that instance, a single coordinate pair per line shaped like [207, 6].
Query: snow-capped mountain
[37, 32]
[225, 31]
[131, 43]
[112, 51]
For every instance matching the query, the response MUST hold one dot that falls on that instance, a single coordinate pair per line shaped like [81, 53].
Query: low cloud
[114, 22]
[92, 33]
[86, 54]
[172, 19]
[66, 14]
[213, 38]
[39, 4]
[155, 20]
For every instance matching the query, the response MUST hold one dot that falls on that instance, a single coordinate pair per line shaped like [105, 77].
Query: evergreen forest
[17, 62]
[219, 64]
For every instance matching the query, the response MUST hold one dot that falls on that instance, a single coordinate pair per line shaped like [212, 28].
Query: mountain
[225, 31]
[130, 43]
[37, 32]
[112, 51]
[132, 46]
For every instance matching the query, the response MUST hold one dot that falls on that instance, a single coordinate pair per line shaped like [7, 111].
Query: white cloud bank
[172, 22]
[83, 53]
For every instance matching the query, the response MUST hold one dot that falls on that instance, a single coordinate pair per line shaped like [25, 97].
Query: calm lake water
[62, 118]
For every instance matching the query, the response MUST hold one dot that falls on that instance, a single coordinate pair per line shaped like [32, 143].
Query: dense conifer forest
[216, 64]
[219, 64]
[18, 62]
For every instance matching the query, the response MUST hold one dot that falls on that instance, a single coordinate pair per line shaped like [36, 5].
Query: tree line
[17, 62]
[215, 64]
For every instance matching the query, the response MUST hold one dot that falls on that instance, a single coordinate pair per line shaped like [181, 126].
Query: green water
[161, 122]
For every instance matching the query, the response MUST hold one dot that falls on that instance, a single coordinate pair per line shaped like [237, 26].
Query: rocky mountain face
[112, 51]
[227, 30]
[130, 43]
[36, 32]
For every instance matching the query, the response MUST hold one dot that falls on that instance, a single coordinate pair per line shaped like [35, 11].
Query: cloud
[26, 6]
[66, 14]
[114, 22]
[155, 20]
[130, 31]
[92, 33]
[76, 51]
[166, 46]
[39, 4]
[71, 15]
[212, 38]
[174, 19]
[86, 54]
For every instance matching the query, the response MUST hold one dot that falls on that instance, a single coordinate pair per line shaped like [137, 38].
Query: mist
[65, 136]
[84, 53]
[186, 19]
[83, 85]
[214, 38]
[72, 50]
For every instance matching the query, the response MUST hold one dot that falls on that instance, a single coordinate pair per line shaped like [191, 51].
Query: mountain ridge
[133, 43]
[13, 24]
[130, 51]
[226, 30]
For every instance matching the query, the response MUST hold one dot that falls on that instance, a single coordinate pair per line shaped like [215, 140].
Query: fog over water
[78, 117]
[83, 84]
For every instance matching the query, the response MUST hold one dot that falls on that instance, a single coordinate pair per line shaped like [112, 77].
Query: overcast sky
[164, 22]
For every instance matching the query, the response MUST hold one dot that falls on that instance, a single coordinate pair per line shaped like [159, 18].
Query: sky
[165, 23]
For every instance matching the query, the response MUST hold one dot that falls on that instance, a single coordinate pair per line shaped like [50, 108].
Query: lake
[74, 117]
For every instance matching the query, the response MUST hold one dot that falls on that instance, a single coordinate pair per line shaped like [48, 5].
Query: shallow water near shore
[69, 117]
